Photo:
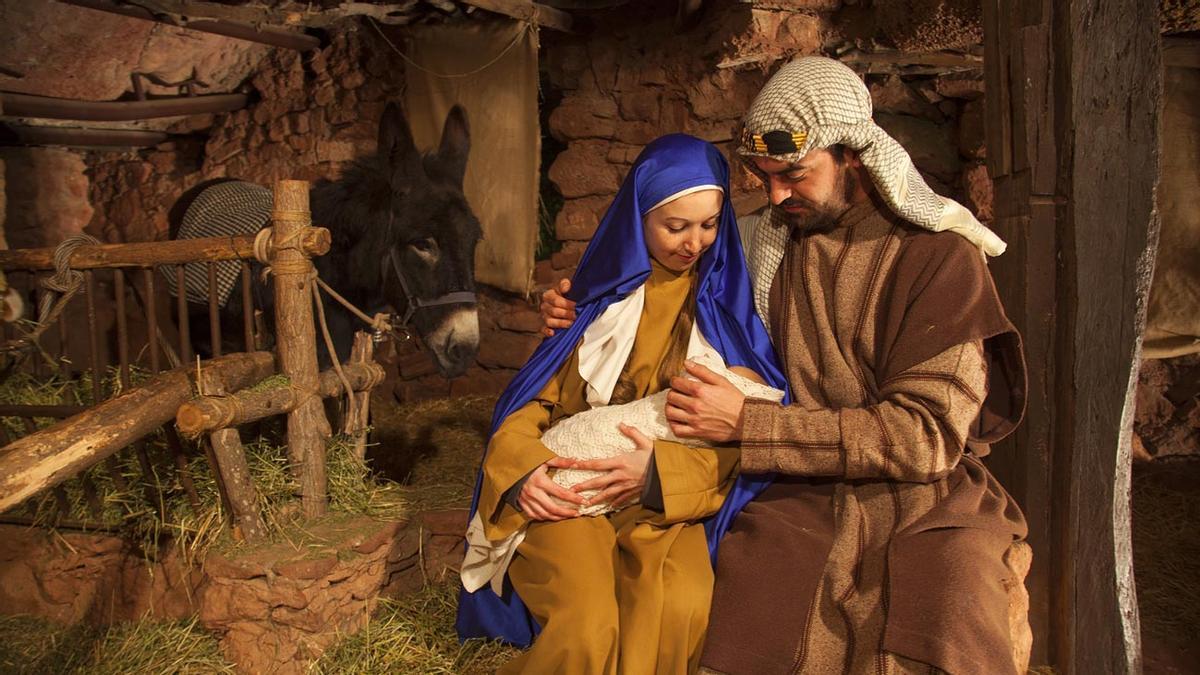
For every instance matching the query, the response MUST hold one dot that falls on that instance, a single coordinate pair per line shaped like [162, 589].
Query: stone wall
[640, 78]
[635, 76]
[46, 195]
[313, 113]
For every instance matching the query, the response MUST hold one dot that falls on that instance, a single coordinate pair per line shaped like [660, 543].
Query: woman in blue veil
[607, 586]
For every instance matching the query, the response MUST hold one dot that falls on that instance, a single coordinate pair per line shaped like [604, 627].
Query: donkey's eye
[425, 246]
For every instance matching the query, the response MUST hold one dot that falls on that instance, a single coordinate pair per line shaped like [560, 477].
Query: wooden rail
[314, 241]
[46, 458]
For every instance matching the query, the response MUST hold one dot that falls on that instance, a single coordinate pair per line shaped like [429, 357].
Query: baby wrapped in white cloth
[592, 434]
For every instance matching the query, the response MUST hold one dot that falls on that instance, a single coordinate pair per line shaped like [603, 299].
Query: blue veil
[616, 263]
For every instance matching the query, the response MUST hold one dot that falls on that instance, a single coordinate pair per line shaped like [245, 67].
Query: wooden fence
[86, 436]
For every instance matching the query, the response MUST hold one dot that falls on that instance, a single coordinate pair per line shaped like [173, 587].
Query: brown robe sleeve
[949, 369]
[916, 433]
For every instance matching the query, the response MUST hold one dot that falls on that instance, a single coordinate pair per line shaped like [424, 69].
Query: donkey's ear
[456, 143]
[395, 140]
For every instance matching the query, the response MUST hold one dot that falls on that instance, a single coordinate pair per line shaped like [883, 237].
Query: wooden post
[363, 352]
[296, 338]
[234, 471]
[1073, 93]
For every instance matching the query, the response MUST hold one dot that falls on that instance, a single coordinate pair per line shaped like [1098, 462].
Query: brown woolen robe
[881, 545]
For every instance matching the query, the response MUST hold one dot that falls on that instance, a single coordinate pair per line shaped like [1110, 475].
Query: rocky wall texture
[630, 84]
[71, 577]
[46, 195]
[275, 608]
[635, 76]
[313, 113]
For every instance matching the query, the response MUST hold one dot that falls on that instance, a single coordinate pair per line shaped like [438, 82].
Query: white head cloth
[814, 103]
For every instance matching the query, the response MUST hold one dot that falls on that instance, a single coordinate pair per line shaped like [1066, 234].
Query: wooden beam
[211, 412]
[1073, 92]
[314, 242]
[27, 134]
[27, 105]
[46, 458]
[525, 10]
[234, 471]
[269, 35]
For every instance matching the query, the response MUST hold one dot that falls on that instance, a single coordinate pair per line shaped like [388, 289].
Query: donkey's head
[411, 235]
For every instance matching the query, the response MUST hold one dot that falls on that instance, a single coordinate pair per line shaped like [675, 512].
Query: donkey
[403, 235]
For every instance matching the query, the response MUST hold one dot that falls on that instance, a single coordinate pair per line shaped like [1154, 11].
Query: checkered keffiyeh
[822, 103]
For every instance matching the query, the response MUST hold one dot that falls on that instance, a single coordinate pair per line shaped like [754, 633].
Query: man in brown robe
[883, 545]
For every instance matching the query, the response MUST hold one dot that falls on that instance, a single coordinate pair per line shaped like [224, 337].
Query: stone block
[583, 170]
[583, 116]
[932, 146]
[971, 140]
[978, 189]
[505, 349]
[642, 105]
[960, 85]
[893, 95]
[578, 219]
[568, 256]
[521, 320]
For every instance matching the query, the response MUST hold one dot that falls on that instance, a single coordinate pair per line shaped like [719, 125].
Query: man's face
[814, 192]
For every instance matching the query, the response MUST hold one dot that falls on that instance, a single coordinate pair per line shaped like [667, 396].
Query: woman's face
[679, 231]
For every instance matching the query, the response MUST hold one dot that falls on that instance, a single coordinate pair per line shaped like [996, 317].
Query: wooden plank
[314, 242]
[296, 341]
[54, 454]
[525, 10]
[1112, 95]
[998, 123]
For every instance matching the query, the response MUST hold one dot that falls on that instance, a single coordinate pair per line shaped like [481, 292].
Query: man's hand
[624, 475]
[709, 409]
[541, 497]
[557, 311]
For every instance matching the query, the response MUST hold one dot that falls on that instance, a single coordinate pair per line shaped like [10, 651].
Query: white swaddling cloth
[593, 434]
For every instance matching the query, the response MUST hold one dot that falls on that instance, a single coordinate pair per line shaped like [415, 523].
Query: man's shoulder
[919, 246]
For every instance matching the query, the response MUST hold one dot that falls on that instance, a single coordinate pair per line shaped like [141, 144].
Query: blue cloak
[616, 263]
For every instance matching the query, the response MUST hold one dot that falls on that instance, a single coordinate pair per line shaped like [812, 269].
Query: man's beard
[825, 215]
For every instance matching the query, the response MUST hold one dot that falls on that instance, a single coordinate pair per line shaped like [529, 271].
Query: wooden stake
[234, 471]
[362, 353]
[296, 340]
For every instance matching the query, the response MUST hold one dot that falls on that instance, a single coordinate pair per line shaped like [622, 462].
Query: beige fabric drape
[491, 69]
[1173, 322]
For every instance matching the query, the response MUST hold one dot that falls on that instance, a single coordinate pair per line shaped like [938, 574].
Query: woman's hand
[624, 475]
[541, 497]
[557, 311]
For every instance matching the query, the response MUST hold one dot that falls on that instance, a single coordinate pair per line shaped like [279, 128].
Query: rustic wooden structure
[44, 459]
[307, 428]
[235, 472]
[211, 411]
[1073, 98]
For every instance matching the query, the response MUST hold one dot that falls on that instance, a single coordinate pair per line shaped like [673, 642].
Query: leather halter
[415, 303]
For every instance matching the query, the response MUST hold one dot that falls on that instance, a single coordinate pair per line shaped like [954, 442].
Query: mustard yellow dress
[628, 592]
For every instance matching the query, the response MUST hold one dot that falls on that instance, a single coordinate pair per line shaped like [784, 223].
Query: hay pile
[36, 646]
[442, 441]
[1166, 548]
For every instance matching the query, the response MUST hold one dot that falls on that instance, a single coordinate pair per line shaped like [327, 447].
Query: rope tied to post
[265, 247]
[58, 290]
